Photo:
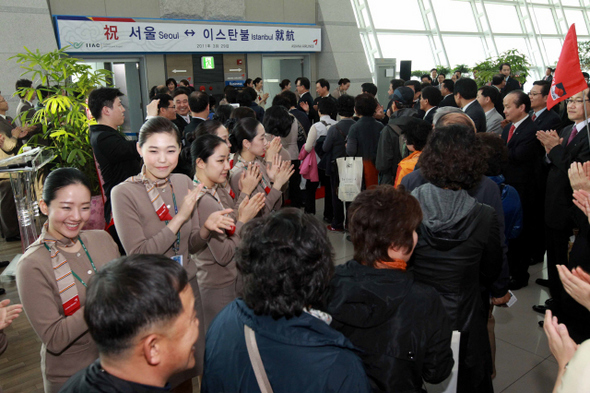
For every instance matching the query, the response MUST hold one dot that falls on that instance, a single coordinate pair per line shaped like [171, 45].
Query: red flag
[568, 79]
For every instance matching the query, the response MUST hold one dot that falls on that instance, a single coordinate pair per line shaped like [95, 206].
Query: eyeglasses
[579, 101]
[532, 94]
[172, 107]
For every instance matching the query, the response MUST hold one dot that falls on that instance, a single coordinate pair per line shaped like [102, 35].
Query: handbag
[350, 172]
[256, 360]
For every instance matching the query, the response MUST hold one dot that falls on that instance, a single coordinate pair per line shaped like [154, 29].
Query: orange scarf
[398, 264]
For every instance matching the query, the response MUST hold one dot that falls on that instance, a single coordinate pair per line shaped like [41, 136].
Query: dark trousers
[337, 205]
[522, 249]
[295, 194]
[8, 217]
[310, 191]
[557, 247]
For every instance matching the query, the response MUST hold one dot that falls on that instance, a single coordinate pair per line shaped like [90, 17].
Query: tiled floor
[523, 360]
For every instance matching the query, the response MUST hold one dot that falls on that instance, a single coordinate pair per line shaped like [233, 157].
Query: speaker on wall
[405, 69]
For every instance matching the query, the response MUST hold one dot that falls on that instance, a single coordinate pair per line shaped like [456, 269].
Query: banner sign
[125, 35]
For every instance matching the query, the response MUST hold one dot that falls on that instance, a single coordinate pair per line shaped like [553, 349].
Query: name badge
[71, 306]
[178, 258]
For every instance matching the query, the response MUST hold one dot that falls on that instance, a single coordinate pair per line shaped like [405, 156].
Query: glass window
[457, 53]
[574, 16]
[399, 15]
[552, 47]
[449, 12]
[503, 19]
[543, 20]
[403, 47]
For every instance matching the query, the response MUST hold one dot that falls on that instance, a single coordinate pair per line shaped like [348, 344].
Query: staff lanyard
[89, 258]
[176, 245]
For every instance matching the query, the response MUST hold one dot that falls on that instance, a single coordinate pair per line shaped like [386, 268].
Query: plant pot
[96, 220]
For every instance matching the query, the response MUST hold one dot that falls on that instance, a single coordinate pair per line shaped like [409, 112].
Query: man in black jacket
[465, 94]
[511, 83]
[522, 172]
[446, 90]
[117, 157]
[544, 119]
[302, 85]
[183, 116]
[570, 145]
[142, 339]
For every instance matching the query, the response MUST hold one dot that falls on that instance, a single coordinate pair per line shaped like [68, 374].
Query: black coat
[312, 114]
[511, 85]
[548, 120]
[117, 158]
[558, 197]
[524, 156]
[476, 113]
[180, 124]
[459, 249]
[448, 101]
[400, 326]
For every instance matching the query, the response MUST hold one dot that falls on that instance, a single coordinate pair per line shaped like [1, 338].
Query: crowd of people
[214, 260]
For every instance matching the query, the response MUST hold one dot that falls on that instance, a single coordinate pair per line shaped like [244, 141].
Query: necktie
[572, 135]
[510, 133]
[534, 117]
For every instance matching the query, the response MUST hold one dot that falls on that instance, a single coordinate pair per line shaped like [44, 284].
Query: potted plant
[519, 65]
[62, 113]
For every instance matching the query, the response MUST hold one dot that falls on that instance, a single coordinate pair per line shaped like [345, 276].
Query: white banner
[126, 35]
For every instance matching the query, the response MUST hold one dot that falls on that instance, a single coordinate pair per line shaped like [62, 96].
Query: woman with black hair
[286, 263]
[280, 123]
[216, 269]
[52, 276]
[459, 247]
[171, 84]
[285, 85]
[156, 213]
[249, 137]
[342, 89]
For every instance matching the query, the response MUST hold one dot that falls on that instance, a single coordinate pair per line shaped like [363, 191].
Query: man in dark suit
[198, 103]
[549, 75]
[570, 145]
[524, 160]
[12, 134]
[302, 85]
[544, 119]
[429, 101]
[465, 94]
[498, 82]
[511, 83]
[183, 117]
[322, 88]
[446, 90]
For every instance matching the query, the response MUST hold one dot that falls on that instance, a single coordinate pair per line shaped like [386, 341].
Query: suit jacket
[511, 84]
[493, 121]
[548, 120]
[525, 154]
[180, 124]
[559, 208]
[429, 117]
[548, 78]
[476, 113]
[312, 114]
[448, 101]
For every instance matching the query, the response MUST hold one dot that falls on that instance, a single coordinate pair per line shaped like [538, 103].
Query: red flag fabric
[568, 79]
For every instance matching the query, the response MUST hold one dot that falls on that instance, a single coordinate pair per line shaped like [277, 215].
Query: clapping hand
[576, 284]
[8, 313]
[283, 174]
[578, 176]
[249, 179]
[274, 148]
[250, 207]
[219, 221]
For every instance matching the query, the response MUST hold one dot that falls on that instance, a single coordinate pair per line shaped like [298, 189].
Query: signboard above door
[126, 35]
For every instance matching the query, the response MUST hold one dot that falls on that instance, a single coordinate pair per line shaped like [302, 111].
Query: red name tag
[267, 190]
[163, 213]
[71, 306]
[231, 230]
[232, 194]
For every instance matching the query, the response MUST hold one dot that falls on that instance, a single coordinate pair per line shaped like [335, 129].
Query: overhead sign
[207, 63]
[125, 35]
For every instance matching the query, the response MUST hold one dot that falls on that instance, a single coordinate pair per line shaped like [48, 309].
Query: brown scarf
[66, 285]
[152, 189]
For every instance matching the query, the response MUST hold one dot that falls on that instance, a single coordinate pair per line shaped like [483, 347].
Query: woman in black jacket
[459, 245]
[400, 326]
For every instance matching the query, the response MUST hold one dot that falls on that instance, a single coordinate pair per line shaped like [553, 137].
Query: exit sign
[207, 63]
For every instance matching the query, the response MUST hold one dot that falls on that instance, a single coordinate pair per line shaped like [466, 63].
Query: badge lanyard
[89, 258]
[176, 245]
